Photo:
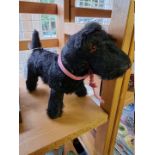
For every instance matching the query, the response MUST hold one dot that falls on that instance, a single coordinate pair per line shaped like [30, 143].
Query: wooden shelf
[88, 142]
[87, 139]
[39, 134]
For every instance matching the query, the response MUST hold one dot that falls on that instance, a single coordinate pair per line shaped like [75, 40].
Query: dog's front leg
[55, 104]
[81, 91]
[32, 78]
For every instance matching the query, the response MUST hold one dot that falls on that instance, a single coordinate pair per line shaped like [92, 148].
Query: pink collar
[68, 73]
[72, 76]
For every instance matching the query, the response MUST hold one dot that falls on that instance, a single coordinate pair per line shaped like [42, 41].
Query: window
[48, 25]
[45, 24]
[47, 1]
[97, 4]
[104, 21]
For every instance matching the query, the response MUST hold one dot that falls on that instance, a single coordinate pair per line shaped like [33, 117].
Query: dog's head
[100, 52]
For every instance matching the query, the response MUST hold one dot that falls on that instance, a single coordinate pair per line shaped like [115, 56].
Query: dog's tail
[35, 40]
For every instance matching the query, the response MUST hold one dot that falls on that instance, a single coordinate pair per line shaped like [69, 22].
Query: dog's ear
[82, 35]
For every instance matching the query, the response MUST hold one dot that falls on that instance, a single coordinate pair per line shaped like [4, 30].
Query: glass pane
[47, 1]
[42, 1]
[98, 4]
[45, 24]
[104, 21]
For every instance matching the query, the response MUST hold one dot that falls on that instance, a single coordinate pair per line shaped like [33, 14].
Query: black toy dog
[91, 49]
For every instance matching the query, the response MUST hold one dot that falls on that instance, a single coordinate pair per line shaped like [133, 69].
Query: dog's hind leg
[81, 91]
[55, 104]
[32, 78]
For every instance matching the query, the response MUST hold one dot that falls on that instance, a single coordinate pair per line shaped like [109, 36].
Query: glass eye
[93, 48]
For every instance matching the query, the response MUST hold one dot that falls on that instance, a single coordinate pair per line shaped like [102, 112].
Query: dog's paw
[30, 86]
[53, 115]
[31, 90]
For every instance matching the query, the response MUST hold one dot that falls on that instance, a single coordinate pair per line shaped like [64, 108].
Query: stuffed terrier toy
[89, 51]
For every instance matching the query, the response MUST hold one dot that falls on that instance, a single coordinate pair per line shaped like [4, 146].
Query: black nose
[129, 65]
[126, 66]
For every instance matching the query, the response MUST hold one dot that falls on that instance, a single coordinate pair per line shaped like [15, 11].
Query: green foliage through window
[48, 22]
[48, 25]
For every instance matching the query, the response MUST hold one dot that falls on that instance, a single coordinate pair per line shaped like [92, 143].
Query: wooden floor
[33, 107]
[39, 134]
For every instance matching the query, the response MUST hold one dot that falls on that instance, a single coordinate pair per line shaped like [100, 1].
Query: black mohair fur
[89, 49]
